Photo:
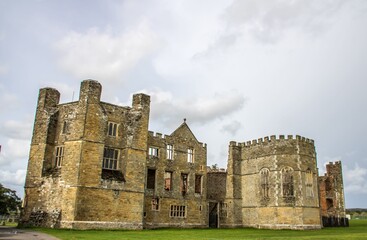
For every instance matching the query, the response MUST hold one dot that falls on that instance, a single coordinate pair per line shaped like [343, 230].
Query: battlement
[215, 170]
[272, 139]
[158, 136]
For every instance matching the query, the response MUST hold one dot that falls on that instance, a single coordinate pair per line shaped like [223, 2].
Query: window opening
[65, 128]
[170, 152]
[198, 184]
[178, 211]
[309, 183]
[112, 129]
[110, 157]
[155, 204]
[153, 151]
[287, 182]
[223, 210]
[190, 155]
[59, 156]
[264, 183]
[151, 179]
[167, 181]
[184, 183]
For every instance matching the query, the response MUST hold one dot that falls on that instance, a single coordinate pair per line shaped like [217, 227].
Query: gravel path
[15, 233]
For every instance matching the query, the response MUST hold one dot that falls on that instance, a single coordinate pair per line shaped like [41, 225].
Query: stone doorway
[213, 214]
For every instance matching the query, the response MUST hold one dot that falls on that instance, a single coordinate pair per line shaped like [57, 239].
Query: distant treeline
[350, 210]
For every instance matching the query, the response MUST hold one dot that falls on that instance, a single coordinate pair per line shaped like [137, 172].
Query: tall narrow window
[223, 210]
[198, 183]
[287, 182]
[167, 181]
[112, 129]
[110, 157]
[190, 155]
[264, 183]
[151, 179]
[169, 151]
[309, 183]
[59, 156]
[184, 183]
[65, 128]
[153, 152]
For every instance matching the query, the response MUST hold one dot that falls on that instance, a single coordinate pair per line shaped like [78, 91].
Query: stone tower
[87, 162]
[332, 196]
[272, 183]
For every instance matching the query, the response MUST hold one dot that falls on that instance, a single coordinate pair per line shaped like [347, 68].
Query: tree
[9, 201]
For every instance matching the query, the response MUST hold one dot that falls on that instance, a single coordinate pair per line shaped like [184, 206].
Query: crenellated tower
[272, 183]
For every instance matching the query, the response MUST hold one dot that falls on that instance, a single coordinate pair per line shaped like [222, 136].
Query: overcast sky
[237, 70]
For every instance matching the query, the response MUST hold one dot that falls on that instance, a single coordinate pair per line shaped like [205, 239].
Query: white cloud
[268, 21]
[8, 101]
[355, 180]
[168, 109]
[103, 55]
[13, 178]
[17, 129]
[232, 127]
[17, 149]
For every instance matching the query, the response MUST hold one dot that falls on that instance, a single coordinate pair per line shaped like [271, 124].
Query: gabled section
[183, 131]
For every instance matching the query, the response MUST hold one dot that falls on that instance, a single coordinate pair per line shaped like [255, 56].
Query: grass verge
[357, 230]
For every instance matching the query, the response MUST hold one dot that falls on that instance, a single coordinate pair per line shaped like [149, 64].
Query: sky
[237, 70]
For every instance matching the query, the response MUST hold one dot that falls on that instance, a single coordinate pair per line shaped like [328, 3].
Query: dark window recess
[151, 179]
[184, 186]
[115, 175]
[198, 184]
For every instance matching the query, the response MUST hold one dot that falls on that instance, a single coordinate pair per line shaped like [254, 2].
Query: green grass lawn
[357, 230]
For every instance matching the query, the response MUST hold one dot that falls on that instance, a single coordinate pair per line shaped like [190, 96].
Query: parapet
[272, 139]
[215, 170]
[158, 136]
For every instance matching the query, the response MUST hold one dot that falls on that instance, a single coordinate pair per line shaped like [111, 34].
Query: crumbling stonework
[71, 168]
[332, 196]
[95, 165]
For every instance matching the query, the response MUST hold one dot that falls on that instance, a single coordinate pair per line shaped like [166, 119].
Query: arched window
[309, 183]
[287, 182]
[264, 183]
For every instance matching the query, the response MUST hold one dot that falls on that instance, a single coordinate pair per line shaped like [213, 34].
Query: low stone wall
[44, 219]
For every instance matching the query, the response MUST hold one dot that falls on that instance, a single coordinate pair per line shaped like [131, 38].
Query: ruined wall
[257, 188]
[331, 189]
[194, 203]
[216, 184]
[78, 187]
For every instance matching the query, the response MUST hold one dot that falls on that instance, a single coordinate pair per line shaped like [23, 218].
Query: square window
[153, 152]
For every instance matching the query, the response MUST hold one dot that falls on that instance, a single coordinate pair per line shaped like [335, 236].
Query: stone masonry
[95, 165]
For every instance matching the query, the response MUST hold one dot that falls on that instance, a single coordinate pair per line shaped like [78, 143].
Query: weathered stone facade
[95, 165]
[70, 145]
[332, 196]
[178, 196]
[272, 183]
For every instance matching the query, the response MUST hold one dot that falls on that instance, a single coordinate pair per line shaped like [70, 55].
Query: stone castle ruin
[95, 165]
